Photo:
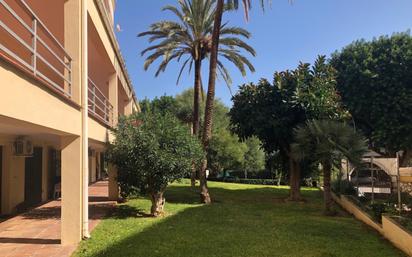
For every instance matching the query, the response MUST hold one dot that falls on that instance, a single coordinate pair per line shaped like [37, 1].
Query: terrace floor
[37, 233]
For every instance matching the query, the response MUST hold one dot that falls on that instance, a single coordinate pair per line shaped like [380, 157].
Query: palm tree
[207, 128]
[325, 142]
[190, 39]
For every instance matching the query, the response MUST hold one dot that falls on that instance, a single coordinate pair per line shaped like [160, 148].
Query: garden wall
[390, 229]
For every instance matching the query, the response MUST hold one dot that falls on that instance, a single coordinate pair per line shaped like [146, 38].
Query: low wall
[357, 212]
[395, 233]
[390, 229]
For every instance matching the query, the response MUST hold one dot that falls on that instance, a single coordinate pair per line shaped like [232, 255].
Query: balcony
[99, 106]
[29, 44]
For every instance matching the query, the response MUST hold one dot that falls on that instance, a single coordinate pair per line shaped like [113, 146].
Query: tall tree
[207, 129]
[325, 142]
[295, 96]
[190, 39]
[375, 78]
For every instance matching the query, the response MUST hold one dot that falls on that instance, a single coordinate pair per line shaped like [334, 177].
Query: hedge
[246, 181]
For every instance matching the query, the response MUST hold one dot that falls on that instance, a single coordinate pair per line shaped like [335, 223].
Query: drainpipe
[85, 129]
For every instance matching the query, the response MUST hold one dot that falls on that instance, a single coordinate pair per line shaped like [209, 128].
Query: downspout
[85, 129]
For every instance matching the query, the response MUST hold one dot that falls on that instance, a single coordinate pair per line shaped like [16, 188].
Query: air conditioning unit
[23, 147]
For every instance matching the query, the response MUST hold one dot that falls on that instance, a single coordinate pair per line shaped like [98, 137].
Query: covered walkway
[37, 233]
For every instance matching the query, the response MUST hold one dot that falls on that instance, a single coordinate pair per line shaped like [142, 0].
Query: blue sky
[282, 36]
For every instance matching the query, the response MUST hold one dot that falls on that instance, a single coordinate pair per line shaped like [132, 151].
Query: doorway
[33, 178]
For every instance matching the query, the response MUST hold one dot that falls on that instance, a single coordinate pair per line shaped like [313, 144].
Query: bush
[252, 174]
[343, 187]
[150, 151]
[245, 181]
[378, 209]
[258, 181]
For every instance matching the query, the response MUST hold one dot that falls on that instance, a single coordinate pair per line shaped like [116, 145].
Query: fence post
[94, 99]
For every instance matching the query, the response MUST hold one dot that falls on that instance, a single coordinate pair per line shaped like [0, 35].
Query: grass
[244, 221]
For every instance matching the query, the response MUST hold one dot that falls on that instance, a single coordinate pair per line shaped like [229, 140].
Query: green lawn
[244, 220]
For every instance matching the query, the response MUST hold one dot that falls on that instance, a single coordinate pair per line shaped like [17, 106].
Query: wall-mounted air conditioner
[23, 147]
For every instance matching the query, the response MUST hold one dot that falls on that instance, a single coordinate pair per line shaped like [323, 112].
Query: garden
[244, 220]
[260, 178]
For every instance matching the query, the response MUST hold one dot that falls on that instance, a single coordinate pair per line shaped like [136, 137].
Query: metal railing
[107, 10]
[99, 105]
[39, 40]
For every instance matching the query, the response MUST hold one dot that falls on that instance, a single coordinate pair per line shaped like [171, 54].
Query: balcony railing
[99, 105]
[43, 55]
[108, 11]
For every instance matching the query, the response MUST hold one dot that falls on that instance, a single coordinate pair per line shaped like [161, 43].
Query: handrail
[34, 16]
[36, 56]
[99, 105]
[108, 13]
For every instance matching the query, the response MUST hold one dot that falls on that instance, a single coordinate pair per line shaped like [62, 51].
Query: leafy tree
[270, 111]
[254, 157]
[225, 151]
[190, 39]
[164, 104]
[375, 78]
[325, 142]
[150, 151]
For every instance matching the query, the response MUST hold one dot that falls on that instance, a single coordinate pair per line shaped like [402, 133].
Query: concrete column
[73, 43]
[113, 185]
[71, 169]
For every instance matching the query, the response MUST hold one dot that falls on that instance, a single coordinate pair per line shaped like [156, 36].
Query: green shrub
[150, 151]
[378, 209]
[343, 187]
[246, 181]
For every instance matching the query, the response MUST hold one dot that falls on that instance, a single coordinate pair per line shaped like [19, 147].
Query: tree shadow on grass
[244, 223]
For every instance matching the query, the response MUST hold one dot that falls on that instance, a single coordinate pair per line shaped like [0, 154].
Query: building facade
[63, 86]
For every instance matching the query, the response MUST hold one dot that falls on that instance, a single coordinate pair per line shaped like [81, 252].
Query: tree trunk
[196, 107]
[158, 203]
[294, 180]
[279, 177]
[204, 190]
[327, 194]
[207, 128]
[193, 176]
[196, 98]
[405, 158]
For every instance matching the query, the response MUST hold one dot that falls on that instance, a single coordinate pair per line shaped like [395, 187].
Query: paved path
[37, 232]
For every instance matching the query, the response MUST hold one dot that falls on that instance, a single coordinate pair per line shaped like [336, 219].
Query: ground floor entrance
[33, 178]
[37, 232]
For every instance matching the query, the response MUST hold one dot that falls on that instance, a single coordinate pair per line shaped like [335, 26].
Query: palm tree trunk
[196, 99]
[327, 194]
[294, 180]
[196, 107]
[207, 128]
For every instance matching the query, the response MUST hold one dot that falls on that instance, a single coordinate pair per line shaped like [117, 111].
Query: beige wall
[29, 108]
[397, 235]
[25, 99]
[390, 229]
[12, 180]
[13, 173]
